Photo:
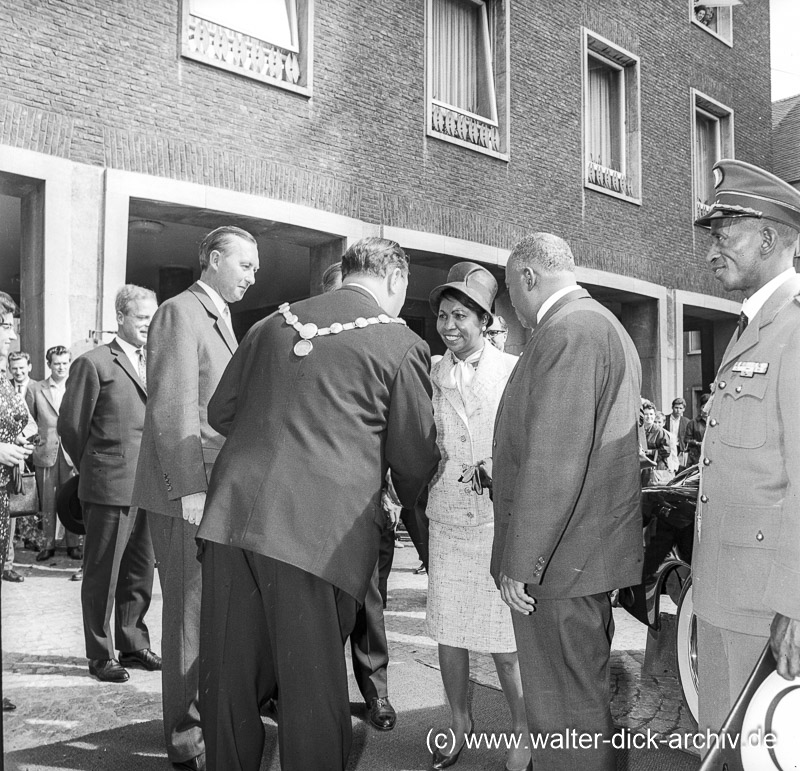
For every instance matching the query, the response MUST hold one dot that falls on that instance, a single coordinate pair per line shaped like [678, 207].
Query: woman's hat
[470, 279]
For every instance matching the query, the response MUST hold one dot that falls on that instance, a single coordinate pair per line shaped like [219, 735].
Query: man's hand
[784, 640]
[514, 595]
[192, 506]
[391, 506]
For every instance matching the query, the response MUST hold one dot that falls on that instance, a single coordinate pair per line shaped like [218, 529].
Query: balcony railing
[609, 179]
[701, 208]
[222, 47]
[467, 128]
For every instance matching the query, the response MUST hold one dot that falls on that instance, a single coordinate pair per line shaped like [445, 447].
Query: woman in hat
[14, 448]
[465, 611]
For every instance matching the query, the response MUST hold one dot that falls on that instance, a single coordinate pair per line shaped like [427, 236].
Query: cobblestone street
[67, 720]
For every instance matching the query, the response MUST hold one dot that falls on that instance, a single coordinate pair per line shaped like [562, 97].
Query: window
[466, 50]
[611, 119]
[269, 40]
[713, 139]
[692, 342]
[716, 18]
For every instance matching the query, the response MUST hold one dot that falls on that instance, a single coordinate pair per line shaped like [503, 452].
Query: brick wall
[103, 83]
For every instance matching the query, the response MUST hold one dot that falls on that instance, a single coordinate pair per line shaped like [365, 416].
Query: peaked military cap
[744, 190]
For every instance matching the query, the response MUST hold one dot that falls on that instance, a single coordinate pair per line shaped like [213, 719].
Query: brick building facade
[129, 130]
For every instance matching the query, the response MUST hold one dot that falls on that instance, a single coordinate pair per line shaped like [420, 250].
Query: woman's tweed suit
[464, 605]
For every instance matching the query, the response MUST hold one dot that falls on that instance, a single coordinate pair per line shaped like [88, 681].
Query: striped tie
[142, 365]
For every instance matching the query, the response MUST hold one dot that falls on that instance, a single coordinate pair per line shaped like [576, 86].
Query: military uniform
[746, 559]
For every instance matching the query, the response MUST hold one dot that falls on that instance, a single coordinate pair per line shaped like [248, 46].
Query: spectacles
[496, 332]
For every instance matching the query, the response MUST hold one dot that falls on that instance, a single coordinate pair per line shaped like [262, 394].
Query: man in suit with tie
[746, 558]
[52, 465]
[567, 521]
[19, 370]
[321, 399]
[190, 343]
[101, 422]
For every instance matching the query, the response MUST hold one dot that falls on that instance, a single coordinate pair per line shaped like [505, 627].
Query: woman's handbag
[23, 496]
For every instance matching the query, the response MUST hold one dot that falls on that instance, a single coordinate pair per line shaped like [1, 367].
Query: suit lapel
[48, 395]
[219, 323]
[121, 358]
[750, 337]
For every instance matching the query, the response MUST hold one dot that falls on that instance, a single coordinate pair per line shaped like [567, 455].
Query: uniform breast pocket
[742, 413]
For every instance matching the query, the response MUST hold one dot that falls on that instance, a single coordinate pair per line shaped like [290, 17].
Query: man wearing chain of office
[319, 400]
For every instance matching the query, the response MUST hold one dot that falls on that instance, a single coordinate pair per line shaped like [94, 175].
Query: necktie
[19, 387]
[226, 314]
[742, 324]
[142, 365]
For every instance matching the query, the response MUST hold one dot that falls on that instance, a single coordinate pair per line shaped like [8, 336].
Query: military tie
[742, 324]
[142, 365]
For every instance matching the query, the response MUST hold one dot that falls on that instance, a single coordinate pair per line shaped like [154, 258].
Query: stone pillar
[320, 258]
[641, 322]
[32, 277]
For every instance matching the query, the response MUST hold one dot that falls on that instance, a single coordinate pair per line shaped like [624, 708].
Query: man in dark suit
[190, 343]
[567, 521]
[320, 400]
[746, 558]
[100, 422]
[53, 467]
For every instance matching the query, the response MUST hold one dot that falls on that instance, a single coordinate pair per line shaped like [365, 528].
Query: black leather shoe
[108, 670]
[77, 576]
[193, 764]
[382, 714]
[8, 705]
[420, 571]
[75, 553]
[45, 554]
[11, 575]
[144, 658]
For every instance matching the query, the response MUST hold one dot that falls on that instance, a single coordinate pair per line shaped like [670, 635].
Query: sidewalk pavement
[68, 720]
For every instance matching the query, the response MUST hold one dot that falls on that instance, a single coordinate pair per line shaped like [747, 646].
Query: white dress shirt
[219, 304]
[755, 302]
[553, 299]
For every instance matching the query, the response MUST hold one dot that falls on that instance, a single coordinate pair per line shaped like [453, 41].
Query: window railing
[468, 128]
[609, 179]
[222, 47]
[701, 208]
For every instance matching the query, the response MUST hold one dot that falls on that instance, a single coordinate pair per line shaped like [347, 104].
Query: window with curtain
[606, 128]
[274, 21]
[462, 72]
[706, 154]
[716, 18]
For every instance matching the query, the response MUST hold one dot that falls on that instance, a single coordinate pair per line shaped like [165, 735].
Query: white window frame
[710, 109]
[729, 9]
[629, 66]
[289, 67]
[487, 135]
[693, 342]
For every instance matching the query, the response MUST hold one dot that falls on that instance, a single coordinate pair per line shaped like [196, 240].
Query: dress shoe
[77, 576]
[108, 670]
[11, 575]
[193, 764]
[45, 554]
[382, 714]
[75, 553]
[420, 571]
[440, 760]
[144, 658]
[529, 767]
[8, 705]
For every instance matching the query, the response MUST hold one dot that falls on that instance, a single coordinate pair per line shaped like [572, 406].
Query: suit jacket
[188, 347]
[464, 436]
[101, 422]
[39, 399]
[309, 439]
[566, 465]
[746, 558]
[681, 433]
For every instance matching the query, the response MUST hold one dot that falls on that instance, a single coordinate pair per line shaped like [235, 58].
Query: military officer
[746, 568]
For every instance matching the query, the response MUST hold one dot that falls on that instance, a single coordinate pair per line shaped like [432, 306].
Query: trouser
[725, 660]
[266, 622]
[368, 643]
[564, 648]
[181, 581]
[49, 479]
[118, 568]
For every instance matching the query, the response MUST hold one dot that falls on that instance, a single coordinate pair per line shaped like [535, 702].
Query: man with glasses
[497, 333]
